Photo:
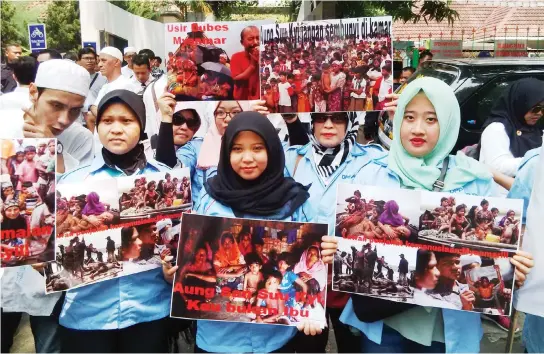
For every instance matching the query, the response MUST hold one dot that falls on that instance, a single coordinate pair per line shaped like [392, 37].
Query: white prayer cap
[129, 50]
[163, 223]
[467, 259]
[296, 72]
[112, 51]
[336, 62]
[63, 75]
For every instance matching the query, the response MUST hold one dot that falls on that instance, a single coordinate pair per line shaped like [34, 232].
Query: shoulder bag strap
[438, 185]
[154, 95]
[94, 79]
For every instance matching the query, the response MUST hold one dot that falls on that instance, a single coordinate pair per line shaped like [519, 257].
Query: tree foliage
[10, 33]
[145, 9]
[63, 26]
[223, 10]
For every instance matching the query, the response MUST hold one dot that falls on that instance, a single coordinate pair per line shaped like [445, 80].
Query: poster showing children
[213, 61]
[256, 271]
[424, 277]
[327, 66]
[27, 203]
[154, 194]
[85, 259]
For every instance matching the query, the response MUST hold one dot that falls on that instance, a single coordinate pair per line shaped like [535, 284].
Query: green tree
[146, 9]
[223, 10]
[63, 26]
[10, 33]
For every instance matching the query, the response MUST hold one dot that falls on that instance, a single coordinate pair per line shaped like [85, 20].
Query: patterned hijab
[328, 160]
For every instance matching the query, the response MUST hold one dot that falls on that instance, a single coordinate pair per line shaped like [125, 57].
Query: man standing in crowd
[156, 71]
[406, 73]
[87, 59]
[24, 72]
[48, 54]
[127, 69]
[383, 87]
[142, 72]
[13, 51]
[424, 56]
[245, 66]
[403, 270]
[110, 248]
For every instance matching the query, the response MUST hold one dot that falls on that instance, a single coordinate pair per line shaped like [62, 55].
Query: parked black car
[477, 84]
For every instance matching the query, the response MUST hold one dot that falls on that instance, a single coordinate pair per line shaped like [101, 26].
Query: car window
[477, 108]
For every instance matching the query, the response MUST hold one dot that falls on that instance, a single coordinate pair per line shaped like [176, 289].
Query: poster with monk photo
[327, 65]
[27, 201]
[213, 61]
[253, 271]
[425, 277]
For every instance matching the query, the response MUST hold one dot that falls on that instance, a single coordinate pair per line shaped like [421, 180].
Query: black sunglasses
[538, 109]
[192, 124]
[335, 118]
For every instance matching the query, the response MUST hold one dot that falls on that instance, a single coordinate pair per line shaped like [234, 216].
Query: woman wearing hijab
[312, 270]
[391, 222]
[427, 107]
[130, 313]
[250, 183]
[514, 126]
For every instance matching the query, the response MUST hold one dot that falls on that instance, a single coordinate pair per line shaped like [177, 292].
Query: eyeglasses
[221, 114]
[192, 124]
[88, 58]
[538, 109]
[335, 118]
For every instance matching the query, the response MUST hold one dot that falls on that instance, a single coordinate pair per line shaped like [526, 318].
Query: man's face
[41, 149]
[250, 38]
[141, 72]
[107, 64]
[128, 58]
[51, 147]
[450, 267]
[58, 109]
[405, 76]
[12, 53]
[88, 61]
[385, 73]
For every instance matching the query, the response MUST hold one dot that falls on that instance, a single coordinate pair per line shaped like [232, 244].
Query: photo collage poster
[117, 227]
[431, 249]
[252, 271]
[27, 203]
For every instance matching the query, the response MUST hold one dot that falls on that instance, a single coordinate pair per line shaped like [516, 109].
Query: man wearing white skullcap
[126, 70]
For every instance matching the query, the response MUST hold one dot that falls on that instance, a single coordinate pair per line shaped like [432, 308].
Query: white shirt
[285, 99]
[373, 75]
[144, 86]
[273, 75]
[385, 88]
[152, 117]
[127, 72]
[495, 150]
[359, 84]
[16, 99]
[94, 90]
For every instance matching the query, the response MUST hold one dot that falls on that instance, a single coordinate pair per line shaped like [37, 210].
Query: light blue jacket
[462, 330]
[188, 156]
[358, 168]
[229, 337]
[525, 178]
[121, 302]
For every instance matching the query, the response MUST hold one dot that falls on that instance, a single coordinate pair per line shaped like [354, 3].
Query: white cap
[163, 223]
[296, 72]
[129, 50]
[63, 75]
[467, 259]
[112, 51]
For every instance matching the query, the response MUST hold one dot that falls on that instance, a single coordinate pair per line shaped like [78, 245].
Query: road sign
[37, 37]
[90, 44]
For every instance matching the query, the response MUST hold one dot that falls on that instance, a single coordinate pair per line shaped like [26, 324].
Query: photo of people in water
[86, 207]
[423, 277]
[154, 194]
[245, 270]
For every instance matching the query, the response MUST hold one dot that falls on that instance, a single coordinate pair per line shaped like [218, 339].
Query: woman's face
[245, 240]
[312, 257]
[200, 256]
[420, 131]
[461, 212]
[133, 251]
[429, 279]
[119, 129]
[248, 155]
[534, 114]
[8, 191]
[224, 113]
[485, 206]
[12, 212]
[227, 243]
[330, 130]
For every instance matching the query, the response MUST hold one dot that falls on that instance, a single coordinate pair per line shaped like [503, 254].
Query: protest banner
[326, 66]
[27, 204]
[246, 270]
[436, 249]
[213, 61]
[510, 48]
[116, 228]
[446, 49]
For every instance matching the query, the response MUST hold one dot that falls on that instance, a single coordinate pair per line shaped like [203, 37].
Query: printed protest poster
[427, 248]
[213, 61]
[243, 270]
[327, 66]
[27, 203]
[446, 48]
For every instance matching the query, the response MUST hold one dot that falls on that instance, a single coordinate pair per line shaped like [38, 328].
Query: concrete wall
[99, 15]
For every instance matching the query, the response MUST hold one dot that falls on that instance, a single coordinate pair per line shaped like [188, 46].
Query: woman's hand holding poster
[427, 248]
[244, 270]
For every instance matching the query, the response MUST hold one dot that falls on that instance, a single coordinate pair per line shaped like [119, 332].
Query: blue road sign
[37, 37]
[90, 44]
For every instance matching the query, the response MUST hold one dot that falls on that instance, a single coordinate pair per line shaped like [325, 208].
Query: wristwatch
[60, 148]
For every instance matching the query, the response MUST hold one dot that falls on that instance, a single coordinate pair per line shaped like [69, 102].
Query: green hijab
[422, 172]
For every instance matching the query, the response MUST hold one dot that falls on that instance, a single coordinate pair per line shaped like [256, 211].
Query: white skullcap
[129, 50]
[296, 72]
[63, 75]
[163, 223]
[336, 62]
[467, 259]
[112, 51]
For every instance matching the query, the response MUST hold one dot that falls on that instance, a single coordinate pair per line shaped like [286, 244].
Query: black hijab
[272, 194]
[134, 159]
[510, 110]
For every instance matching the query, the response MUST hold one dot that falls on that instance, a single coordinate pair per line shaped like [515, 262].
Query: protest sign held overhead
[427, 248]
[327, 66]
[27, 204]
[245, 270]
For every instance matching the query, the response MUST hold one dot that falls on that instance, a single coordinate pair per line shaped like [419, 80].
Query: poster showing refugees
[213, 61]
[154, 195]
[27, 203]
[327, 66]
[424, 277]
[255, 271]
